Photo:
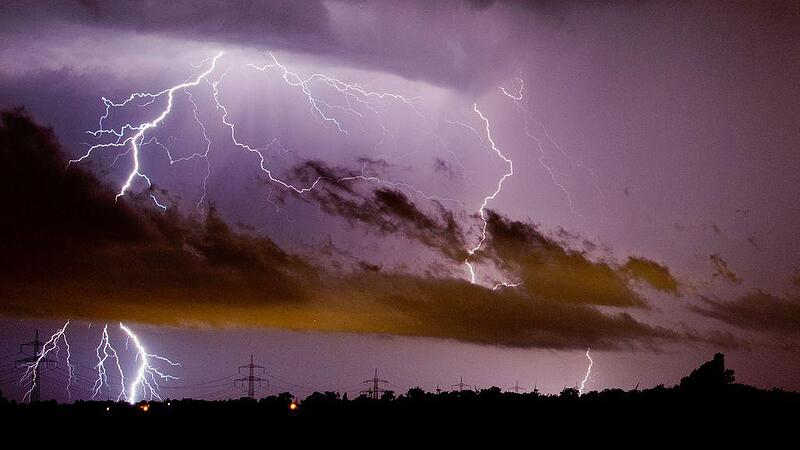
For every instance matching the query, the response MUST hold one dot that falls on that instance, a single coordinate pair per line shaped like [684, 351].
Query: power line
[201, 385]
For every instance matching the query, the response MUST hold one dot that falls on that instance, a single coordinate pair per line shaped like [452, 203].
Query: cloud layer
[760, 311]
[73, 251]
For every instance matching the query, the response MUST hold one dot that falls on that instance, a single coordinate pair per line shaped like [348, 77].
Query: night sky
[315, 183]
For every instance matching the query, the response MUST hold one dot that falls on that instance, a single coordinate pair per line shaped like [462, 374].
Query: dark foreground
[707, 401]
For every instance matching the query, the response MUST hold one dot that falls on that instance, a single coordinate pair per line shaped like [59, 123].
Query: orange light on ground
[293, 406]
[145, 407]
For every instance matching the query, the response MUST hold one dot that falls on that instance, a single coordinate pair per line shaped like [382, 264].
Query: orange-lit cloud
[72, 251]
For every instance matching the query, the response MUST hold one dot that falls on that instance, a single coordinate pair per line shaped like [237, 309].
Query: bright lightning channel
[32, 368]
[147, 376]
[137, 138]
[503, 284]
[352, 94]
[486, 200]
[588, 372]
[105, 352]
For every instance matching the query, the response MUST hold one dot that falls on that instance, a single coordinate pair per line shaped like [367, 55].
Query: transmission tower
[460, 385]
[516, 388]
[374, 392]
[251, 379]
[36, 344]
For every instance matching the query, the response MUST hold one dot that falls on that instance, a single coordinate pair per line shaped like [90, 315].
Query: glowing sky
[652, 213]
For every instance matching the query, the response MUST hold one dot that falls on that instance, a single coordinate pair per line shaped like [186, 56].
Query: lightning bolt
[324, 111]
[136, 139]
[262, 159]
[520, 99]
[147, 375]
[32, 368]
[356, 102]
[350, 91]
[105, 352]
[506, 285]
[486, 200]
[588, 372]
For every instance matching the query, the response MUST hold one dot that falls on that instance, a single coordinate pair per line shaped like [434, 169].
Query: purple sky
[652, 213]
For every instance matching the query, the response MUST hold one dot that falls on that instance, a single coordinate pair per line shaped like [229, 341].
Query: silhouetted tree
[569, 393]
[416, 394]
[710, 376]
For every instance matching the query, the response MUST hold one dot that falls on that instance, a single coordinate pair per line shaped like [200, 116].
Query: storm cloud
[363, 34]
[778, 316]
[71, 250]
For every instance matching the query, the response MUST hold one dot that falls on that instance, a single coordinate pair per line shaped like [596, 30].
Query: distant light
[108, 408]
[145, 407]
[293, 406]
[169, 403]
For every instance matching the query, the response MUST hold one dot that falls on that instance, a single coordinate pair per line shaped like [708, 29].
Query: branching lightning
[136, 139]
[105, 352]
[506, 285]
[520, 99]
[356, 102]
[51, 346]
[147, 375]
[486, 200]
[134, 136]
[588, 372]
[350, 91]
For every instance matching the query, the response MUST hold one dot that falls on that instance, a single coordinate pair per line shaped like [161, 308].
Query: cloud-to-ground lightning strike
[486, 200]
[147, 376]
[51, 346]
[105, 352]
[588, 372]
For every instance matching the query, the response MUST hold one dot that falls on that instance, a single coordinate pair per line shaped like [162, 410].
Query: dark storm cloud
[385, 210]
[721, 269]
[455, 309]
[64, 237]
[654, 274]
[439, 42]
[70, 250]
[549, 269]
[282, 22]
[758, 311]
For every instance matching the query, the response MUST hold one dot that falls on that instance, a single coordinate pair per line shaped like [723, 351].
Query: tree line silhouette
[707, 397]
